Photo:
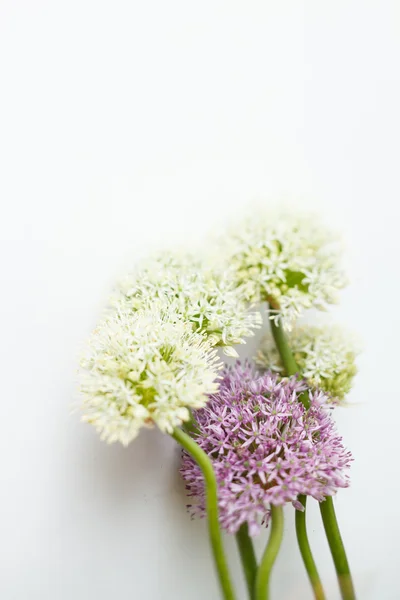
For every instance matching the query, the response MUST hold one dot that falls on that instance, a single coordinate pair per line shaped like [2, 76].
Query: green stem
[305, 551]
[326, 507]
[337, 549]
[288, 360]
[291, 367]
[248, 557]
[210, 481]
[270, 554]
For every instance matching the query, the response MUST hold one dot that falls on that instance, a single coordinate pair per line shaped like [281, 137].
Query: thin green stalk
[327, 509]
[337, 549]
[270, 554]
[305, 551]
[291, 367]
[206, 467]
[288, 360]
[248, 557]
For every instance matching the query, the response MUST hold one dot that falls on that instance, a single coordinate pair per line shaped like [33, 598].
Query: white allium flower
[325, 354]
[202, 295]
[290, 261]
[142, 369]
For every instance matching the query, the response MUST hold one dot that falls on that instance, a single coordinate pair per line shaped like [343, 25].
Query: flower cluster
[270, 439]
[142, 369]
[265, 448]
[203, 296]
[292, 262]
[325, 354]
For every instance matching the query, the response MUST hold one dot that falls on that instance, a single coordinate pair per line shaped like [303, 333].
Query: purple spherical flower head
[265, 447]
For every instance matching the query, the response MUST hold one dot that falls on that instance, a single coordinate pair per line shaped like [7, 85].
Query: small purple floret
[265, 447]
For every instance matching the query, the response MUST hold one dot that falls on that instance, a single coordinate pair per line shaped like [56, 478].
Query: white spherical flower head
[205, 297]
[143, 369]
[290, 261]
[325, 354]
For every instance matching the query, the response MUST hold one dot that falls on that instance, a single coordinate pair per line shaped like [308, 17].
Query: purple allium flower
[265, 447]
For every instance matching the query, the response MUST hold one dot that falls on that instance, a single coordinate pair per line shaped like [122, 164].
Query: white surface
[123, 124]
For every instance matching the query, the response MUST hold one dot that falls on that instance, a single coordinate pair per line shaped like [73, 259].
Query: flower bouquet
[255, 437]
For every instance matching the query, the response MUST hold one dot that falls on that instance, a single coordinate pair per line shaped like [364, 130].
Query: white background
[126, 124]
